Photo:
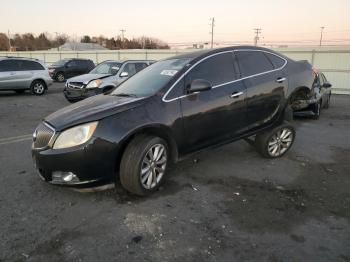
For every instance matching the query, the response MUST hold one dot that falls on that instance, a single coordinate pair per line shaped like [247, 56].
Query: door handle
[280, 79]
[236, 94]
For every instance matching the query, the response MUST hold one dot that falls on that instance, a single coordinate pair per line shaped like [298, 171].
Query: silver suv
[20, 74]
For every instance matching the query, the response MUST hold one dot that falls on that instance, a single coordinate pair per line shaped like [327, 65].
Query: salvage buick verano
[170, 109]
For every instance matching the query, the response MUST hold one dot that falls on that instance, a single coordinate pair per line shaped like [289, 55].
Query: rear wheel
[38, 87]
[144, 164]
[60, 77]
[275, 142]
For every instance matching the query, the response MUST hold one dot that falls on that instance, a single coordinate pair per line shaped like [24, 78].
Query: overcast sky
[181, 20]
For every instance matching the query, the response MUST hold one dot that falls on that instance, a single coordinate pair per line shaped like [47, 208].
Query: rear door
[72, 69]
[266, 84]
[10, 74]
[218, 114]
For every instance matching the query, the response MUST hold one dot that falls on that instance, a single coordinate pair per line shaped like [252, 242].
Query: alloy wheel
[60, 77]
[38, 88]
[153, 166]
[280, 142]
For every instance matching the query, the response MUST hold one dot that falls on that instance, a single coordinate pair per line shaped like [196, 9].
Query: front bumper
[91, 162]
[74, 95]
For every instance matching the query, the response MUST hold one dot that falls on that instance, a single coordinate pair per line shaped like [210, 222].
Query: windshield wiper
[124, 95]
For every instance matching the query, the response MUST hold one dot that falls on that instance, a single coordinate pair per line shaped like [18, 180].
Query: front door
[217, 114]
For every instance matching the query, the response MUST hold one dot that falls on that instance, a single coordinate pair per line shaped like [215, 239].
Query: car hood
[87, 78]
[91, 109]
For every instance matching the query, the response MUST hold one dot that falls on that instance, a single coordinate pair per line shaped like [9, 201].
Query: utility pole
[122, 31]
[9, 37]
[256, 38]
[58, 45]
[212, 31]
[321, 37]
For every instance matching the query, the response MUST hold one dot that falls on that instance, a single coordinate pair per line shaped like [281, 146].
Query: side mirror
[327, 85]
[124, 74]
[199, 85]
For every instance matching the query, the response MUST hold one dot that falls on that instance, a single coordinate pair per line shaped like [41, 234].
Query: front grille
[42, 135]
[75, 85]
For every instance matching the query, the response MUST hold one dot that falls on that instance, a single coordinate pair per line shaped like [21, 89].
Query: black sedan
[170, 109]
[321, 98]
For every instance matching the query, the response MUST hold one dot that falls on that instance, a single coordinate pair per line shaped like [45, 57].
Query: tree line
[44, 41]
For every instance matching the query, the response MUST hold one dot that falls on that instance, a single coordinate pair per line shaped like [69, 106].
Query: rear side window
[253, 62]
[31, 66]
[140, 66]
[275, 60]
[9, 65]
[217, 70]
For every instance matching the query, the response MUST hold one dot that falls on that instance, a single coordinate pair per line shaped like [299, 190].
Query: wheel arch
[41, 80]
[159, 130]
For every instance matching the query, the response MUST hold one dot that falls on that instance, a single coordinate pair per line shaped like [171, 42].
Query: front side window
[253, 62]
[153, 78]
[130, 68]
[108, 68]
[217, 70]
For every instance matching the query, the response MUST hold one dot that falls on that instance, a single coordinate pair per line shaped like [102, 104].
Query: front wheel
[144, 164]
[276, 142]
[37, 87]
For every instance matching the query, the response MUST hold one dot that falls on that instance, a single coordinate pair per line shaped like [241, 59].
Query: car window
[9, 65]
[73, 63]
[253, 62]
[60, 62]
[110, 68]
[324, 78]
[130, 68]
[275, 60]
[320, 79]
[30, 66]
[217, 70]
[140, 66]
[152, 78]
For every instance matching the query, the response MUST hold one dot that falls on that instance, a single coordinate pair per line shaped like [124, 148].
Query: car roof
[194, 56]
[128, 60]
[19, 58]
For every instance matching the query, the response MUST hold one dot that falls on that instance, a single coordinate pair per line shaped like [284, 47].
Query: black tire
[133, 160]
[317, 110]
[60, 77]
[263, 140]
[38, 87]
[20, 91]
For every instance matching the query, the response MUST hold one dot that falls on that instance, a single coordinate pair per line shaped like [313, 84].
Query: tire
[276, 142]
[60, 77]
[38, 87]
[317, 110]
[20, 91]
[134, 160]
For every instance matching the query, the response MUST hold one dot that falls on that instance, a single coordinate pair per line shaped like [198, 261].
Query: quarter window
[217, 70]
[253, 62]
[275, 60]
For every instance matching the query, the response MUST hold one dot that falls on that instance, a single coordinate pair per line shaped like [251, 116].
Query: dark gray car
[20, 74]
[104, 77]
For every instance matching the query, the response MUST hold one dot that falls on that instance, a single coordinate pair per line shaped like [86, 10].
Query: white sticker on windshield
[115, 67]
[169, 72]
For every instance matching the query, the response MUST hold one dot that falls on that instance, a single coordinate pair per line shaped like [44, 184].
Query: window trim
[226, 83]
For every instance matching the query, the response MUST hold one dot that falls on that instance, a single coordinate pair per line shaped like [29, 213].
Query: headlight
[94, 83]
[75, 136]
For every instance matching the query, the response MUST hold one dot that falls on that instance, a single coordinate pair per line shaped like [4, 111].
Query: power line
[256, 38]
[212, 31]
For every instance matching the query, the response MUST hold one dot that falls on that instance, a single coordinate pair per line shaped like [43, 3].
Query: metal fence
[334, 62]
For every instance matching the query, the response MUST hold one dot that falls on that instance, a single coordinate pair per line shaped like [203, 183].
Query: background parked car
[321, 98]
[20, 74]
[102, 78]
[67, 68]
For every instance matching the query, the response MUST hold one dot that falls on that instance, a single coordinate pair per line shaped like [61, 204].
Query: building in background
[75, 46]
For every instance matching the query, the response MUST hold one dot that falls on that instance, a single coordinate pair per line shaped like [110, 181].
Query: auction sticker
[168, 72]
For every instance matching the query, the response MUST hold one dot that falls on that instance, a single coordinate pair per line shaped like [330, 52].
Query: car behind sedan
[168, 110]
[102, 78]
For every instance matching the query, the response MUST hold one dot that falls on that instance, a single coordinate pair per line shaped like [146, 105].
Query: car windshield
[108, 68]
[60, 62]
[151, 79]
